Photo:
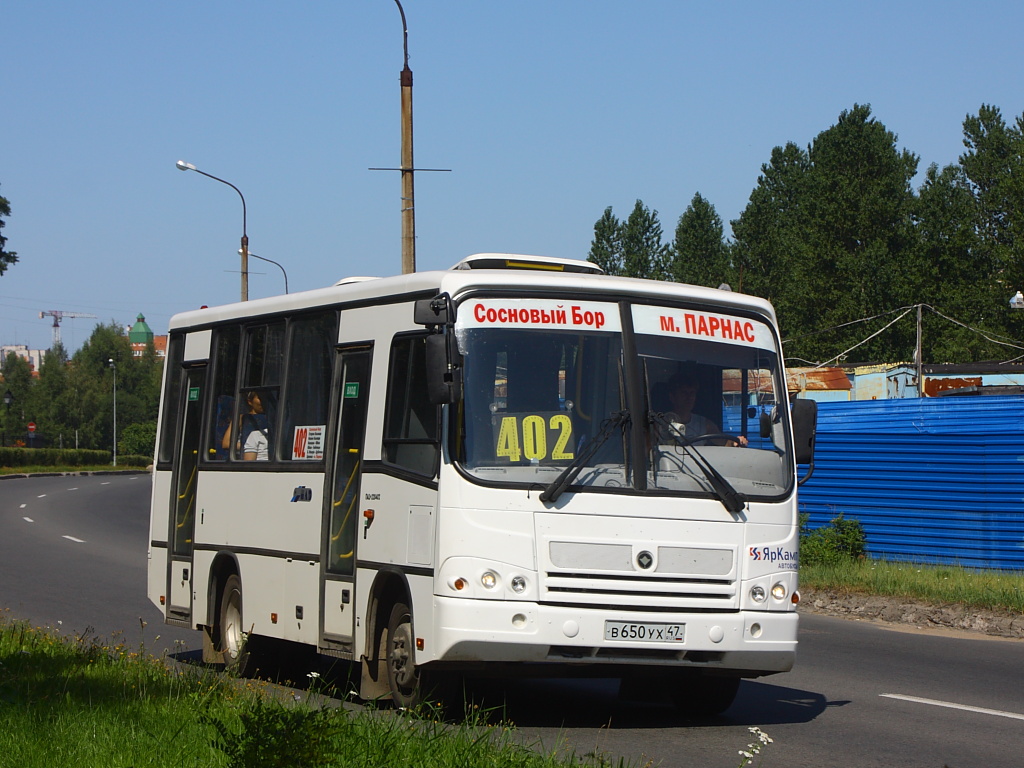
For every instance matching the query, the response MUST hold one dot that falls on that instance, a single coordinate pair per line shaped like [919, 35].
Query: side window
[172, 398]
[256, 403]
[308, 393]
[411, 421]
[225, 387]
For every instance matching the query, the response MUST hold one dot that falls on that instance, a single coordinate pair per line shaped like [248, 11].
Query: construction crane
[57, 316]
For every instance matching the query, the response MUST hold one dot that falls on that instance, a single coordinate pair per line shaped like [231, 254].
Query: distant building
[34, 357]
[140, 335]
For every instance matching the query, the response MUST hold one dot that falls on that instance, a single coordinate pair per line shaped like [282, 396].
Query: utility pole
[917, 356]
[408, 192]
[407, 166]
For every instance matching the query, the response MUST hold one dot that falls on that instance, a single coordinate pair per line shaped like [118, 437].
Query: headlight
[489, 579]
[757, 594]
[518, 584]
[779, 591]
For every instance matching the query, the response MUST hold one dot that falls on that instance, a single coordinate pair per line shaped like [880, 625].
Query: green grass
[81, 701]
[992, 590]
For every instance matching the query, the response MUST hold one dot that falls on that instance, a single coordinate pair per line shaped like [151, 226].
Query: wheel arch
[390, 586]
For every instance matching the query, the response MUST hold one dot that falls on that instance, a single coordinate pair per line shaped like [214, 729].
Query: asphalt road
[73, 555]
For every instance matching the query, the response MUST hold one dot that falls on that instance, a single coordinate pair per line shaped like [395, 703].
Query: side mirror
[765, 425]
[805, 426]
[432, 312]
[444, 369]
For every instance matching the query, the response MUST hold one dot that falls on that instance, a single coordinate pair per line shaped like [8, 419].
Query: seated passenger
[253, 431]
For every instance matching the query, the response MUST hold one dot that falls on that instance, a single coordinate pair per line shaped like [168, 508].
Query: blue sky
[546, 112]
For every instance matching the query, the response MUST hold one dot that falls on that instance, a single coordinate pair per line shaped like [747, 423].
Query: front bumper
[486, 631]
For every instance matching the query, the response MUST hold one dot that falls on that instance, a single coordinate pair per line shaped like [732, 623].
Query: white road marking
[106, 483]
[73, 489]
[41, 496]
[28, 519]
[23, 506]
[952, 705]
[72, 538]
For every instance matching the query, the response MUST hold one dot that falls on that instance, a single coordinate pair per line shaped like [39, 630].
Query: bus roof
[482, 271]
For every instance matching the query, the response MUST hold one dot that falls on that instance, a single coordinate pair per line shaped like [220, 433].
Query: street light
[111, 364]
[8, 399]
[274, 263]
[244, 250]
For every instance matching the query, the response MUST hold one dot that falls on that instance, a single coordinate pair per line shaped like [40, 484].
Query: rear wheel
[701, 695]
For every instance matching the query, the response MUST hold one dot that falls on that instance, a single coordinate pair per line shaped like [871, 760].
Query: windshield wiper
[569, 474]
[731, 499]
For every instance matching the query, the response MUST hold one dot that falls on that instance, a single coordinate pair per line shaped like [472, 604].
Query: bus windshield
[547, 388]
[536, 392]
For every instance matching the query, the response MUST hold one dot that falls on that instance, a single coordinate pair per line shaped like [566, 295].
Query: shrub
[52, 457]
[840, 540]
[137, 439]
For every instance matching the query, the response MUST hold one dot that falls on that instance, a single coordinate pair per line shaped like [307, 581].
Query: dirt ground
[913, 615]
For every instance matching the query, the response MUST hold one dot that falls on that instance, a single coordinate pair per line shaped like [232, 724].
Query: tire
[403, 676]
[698, 695]
[233, 646]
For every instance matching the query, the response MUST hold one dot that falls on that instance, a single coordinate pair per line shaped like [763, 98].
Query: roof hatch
[517, 261]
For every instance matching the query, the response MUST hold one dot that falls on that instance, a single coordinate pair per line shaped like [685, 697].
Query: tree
[643, 253]
[959, 282]
[699, 255]
[631, 248]
[994, 166]
[7, 258]
[17, 375]
[860, 206]
[828, 235]
[47, 394]
[771, 247]
[606, 247]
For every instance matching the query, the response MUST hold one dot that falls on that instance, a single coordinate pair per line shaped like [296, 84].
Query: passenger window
[172, 395]
[256, 404]
[308, 394]
[411, 421]
[225, 381]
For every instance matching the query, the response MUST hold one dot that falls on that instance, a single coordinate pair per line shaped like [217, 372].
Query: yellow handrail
[192, 501]
[351, 506]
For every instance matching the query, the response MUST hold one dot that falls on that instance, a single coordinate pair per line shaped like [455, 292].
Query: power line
[990, 337]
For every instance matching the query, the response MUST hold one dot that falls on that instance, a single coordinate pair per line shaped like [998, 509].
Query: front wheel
[232, 644]
[700, 695]
[403, 676]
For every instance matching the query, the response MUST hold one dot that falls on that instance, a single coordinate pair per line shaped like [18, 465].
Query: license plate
[645, 631]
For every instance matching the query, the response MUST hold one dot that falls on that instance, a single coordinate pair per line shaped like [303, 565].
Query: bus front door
[183, 501]
[352, 383]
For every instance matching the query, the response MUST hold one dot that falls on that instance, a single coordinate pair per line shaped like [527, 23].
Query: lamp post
[244, 250]
[8, 399]
[112, 365]
[275, 264]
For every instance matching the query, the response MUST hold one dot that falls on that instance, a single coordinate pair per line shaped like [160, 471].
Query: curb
[136, 471]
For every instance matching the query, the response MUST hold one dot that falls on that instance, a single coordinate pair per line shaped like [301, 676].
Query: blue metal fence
[934, 480]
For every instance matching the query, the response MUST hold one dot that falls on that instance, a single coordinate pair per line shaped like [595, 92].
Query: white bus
[518, 466]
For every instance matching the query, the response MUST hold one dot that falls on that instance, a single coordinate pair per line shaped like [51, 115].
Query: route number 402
[527, 437]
